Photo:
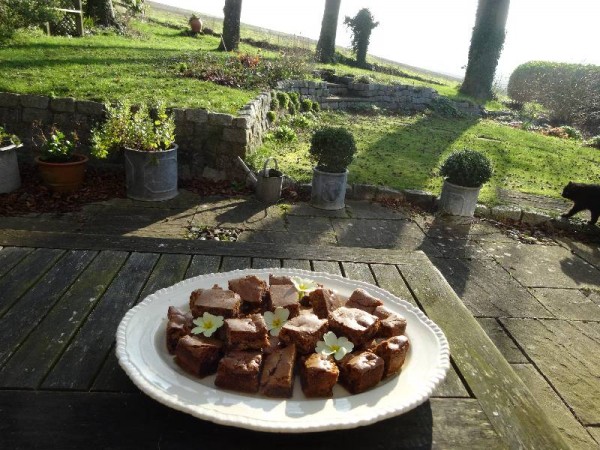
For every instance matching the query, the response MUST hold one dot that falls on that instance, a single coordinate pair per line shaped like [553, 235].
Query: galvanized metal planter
[328, 189]
[151, 176]
[458, 200]
[10, 178]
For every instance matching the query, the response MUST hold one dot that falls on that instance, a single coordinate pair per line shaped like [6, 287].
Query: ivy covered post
[103, 12]
[231, 25]
[486, 45]
[326, 44]
[361, 25]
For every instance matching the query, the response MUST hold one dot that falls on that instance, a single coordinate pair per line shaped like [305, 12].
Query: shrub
[572, 133]
[332, 149]
[283, 99]
[274, 103]
[361, 27]
[301, 121]
[54, 146]
[365, 79]
[445, 107]
[316, 107]
[15, 14]
[284, 133]
[593, 142]
[467, 168]
[306, 105]
[295, 99]
[292, 108]
[271, 116]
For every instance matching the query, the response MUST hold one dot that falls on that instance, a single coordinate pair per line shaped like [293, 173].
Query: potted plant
[465, 171]
[10, 179]
[195, 24]
[147, 139]
[60, 167]
[332, 150]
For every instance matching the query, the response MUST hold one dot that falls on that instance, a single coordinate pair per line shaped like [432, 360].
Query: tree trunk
[326, 44]
[231, 25]
[102, 12]
[486, 45]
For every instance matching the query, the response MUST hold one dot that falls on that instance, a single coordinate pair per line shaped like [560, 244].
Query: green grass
[405, 152]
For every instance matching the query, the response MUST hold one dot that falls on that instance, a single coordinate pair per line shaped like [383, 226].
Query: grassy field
[405, 152]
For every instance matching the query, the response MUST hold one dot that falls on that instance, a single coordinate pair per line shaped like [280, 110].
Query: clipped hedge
[571, 92]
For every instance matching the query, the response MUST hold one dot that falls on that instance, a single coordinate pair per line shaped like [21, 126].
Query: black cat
[585, 196]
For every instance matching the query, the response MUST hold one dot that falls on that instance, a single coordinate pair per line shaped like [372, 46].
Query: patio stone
[285, 237]
[570, 304]
[368, 210]
[502, 340]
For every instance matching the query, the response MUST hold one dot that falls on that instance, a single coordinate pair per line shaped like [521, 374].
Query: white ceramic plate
[142, 353]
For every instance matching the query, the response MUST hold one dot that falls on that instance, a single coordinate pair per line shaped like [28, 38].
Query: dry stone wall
[206, 139]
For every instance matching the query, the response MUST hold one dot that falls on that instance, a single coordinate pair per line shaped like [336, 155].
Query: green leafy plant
[306, 105]
[7, 138]
[301, 121]
[467, 168]
[274, 103]
[284, 100]
[292, 109]
[295, 99]
[571, 132]
[593, 142]
[55, 146]
[137, 129]
[284, 133]
[365, 79]
[316, 107]
[332, 149]
[272, 116]
[361, 27]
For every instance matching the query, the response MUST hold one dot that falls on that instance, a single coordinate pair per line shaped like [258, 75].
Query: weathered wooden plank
[265, 263]
[303, 264]
[86, 353]
[65, 420]
[34, 358]
[566, 357]
[360, 272]
[508, 403]
[235, 262]
[502, 340]
[595, 433]
[19, 238]
[452, 386]
[11, 256]
[559, 414]
[25, 274]
[388, 277]
[203, 264]
[169, 269]
[30, 309]
[327, 266]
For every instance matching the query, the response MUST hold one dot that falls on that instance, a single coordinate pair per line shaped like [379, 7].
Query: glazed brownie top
[242, 361]
[216, 298]
[363, 361]
[250, 288]
[320, 362]
[275, 280]
[362, 300]
[282, 295]
[353, 318]
[251, 324]
[192, 342]
[305, 323]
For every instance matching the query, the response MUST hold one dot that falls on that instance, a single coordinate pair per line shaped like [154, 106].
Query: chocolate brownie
[362, 371]
[250, 288]
[239, 371]
[277, 379]
[357, 325]
[391, 324]
[318, 375]
[284, 296]
[393, 352]
[198, 355]
[304, 331]
[246, 333]
[179, 325]
[275, 280]
[217, 301]
[273, 345]
[360, 299]
[324, 301]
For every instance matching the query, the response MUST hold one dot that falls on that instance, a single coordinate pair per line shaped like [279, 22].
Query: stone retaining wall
[206, 139]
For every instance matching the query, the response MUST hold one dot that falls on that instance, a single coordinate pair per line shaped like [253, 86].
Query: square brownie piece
[360, 299]
[277, 280]
[198, 355]
[217, 301]
[250, 288]
[318, 375]
[284, 296]
[179, 325]
[357, 325]
[391, 324]
[362, 371]
[304, 331]
[246, 333]
[277, 379]
[239, 371]
[393, 352]
[324, 301]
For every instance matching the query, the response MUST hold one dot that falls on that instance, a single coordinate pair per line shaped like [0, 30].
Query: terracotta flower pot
[63, 177]
[195, 25]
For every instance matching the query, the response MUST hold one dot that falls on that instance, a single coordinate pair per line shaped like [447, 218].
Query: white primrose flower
[304, 286]
[207, 324]
[332, 345]
[276, 320]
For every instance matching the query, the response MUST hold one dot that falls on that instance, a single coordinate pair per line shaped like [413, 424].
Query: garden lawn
[405, 152]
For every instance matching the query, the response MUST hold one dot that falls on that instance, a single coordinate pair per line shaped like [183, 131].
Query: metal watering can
[267, 182]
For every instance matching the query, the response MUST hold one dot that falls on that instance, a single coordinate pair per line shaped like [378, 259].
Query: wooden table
[62, 297]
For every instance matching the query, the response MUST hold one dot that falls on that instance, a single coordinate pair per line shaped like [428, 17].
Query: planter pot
[63, 177]
[458, 200]
[10, 179]
[195, 25]
[151, 176]
[328, 189]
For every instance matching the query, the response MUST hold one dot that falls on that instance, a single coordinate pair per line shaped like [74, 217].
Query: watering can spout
[250, 175]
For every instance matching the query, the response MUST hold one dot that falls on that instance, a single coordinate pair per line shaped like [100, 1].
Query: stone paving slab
[595, 432]
[488, 290]
[459, 248]
[304, 209]
[44, 223]
[545, 266]
[123, 220]
[239, 213]
[558, 413]
[588, 251]
[567, 358]
[185, 200]
[502, 340]
[298, 224]
[285, 237]
[368, 210]
[570, 304]
[447, 227]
